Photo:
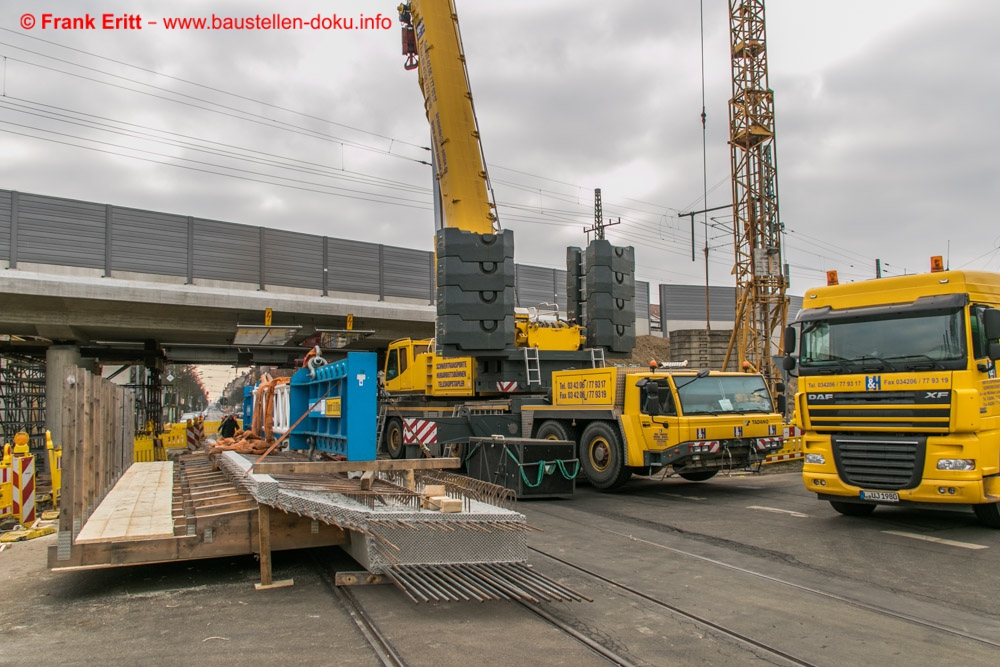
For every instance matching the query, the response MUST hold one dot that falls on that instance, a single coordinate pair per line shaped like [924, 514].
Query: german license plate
[884, 496]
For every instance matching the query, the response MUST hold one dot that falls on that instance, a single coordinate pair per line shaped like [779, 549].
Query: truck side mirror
[788, 363]
[779, 387]
[781, 404]
[789, 340]
[991, 320]
[994, 351]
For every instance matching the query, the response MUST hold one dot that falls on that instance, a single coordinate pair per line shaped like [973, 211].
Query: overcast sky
[887, 138]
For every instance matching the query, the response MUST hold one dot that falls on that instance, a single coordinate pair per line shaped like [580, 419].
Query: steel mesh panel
[466, 582]
[397, 531]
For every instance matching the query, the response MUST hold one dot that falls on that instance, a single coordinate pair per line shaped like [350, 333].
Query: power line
[248, 153]
[212, 88]
[209, 171]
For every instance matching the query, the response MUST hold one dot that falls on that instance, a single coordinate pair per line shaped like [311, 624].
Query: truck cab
[631, 420]
[411, 367]
[897, 392]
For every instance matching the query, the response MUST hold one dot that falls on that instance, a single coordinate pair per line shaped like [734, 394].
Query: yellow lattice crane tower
[761, 305]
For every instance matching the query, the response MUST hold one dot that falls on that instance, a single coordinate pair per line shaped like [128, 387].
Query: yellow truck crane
[634, 420]
[496, 371]
[625, 419]
[898, 394]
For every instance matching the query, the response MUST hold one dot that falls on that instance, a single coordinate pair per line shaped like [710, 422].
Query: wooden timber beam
[318, 467]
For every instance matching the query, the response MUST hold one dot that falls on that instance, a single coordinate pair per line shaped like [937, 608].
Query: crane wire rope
[704, 160]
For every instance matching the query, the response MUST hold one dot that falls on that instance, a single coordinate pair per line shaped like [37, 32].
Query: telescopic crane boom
[432, 44]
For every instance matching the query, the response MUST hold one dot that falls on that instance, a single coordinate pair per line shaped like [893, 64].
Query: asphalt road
[722, 564]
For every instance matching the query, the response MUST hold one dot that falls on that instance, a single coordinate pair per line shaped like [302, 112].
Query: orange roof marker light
[831, 278]
[936, 264]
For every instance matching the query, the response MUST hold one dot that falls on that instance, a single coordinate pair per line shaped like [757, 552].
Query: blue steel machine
[341, 399]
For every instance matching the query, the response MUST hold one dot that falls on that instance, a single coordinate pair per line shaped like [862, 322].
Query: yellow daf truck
[898, 394]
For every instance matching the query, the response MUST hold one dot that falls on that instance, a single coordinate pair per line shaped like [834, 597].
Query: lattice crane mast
[761, 304]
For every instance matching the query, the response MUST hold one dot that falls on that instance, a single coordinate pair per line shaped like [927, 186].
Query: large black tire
[602, 456]
[989, 514]
[556, 430]
[852, 509]
[393, 438]
[699, 476]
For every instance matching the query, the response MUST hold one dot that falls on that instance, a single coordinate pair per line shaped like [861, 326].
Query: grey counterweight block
[609, 296]
[574, 284]
[475, 291]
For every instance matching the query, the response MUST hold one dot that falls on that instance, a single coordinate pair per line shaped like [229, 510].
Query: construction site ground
[758, 556]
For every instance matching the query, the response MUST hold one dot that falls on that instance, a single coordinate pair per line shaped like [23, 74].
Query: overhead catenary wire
[277, 107]
[190, 142]
[639, 228]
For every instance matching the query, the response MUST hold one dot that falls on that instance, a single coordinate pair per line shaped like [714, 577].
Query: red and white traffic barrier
[24, 489]
[192, 438]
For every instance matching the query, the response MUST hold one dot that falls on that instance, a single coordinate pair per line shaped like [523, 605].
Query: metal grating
[479, 582]
[879, 463]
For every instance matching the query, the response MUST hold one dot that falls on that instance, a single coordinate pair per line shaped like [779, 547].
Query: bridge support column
[59, 360]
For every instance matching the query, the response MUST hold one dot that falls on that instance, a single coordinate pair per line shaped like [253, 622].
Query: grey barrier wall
[39, 229]
[686, 303]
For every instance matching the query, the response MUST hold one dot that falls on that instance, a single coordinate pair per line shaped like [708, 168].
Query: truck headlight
[956, 464]
[815, 458]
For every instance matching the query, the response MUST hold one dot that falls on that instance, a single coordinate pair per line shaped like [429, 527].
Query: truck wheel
[699, 476]
[603, 457]
[393, 437]
[555, 430]
[852, 509]
[988, 514]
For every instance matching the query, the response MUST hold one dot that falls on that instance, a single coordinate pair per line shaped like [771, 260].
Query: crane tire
[602, 456]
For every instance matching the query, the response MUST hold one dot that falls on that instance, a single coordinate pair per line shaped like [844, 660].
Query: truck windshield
[718, 394]
[893, 342]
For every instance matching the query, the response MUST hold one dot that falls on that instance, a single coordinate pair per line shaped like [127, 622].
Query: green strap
[544, 468]
[562, 468]
[472, 450]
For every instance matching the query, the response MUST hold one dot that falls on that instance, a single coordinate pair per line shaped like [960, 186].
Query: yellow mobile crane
[493, 371]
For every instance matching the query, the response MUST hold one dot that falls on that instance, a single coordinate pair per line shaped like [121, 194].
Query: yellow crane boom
[433, 45]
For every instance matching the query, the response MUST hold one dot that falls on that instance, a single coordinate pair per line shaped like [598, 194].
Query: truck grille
[898, 411]
[879, 463]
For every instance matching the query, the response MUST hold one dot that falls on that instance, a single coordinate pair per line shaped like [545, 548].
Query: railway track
[377, 641]
[390, 657]
[758, 645]
[883, 611]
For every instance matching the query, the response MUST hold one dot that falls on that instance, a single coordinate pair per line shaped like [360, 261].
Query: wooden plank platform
[139, 507]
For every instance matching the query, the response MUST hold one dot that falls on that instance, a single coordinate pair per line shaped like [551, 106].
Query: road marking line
[677, 495]
[776, 510]
[938, 540]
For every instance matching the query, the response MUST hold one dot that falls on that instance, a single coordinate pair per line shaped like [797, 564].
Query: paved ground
[753, 554]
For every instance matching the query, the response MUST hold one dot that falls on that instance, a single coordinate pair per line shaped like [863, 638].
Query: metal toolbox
[531, 468]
